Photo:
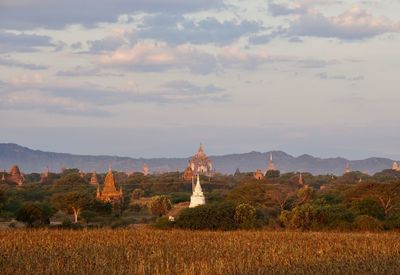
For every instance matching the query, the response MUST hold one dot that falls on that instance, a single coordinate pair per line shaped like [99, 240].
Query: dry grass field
[147, 251]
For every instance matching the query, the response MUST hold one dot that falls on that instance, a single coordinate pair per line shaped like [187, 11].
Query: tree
[33, 215]
[245, 216]
[305, 195]
[3, 198]
[281, 195]
[159, 205]
[70, 179]
[215, 216]
[272, 174]
[72, 202]
[137, 194]
[252, 193]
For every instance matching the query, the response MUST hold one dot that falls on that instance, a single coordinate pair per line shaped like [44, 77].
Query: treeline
[354, 201]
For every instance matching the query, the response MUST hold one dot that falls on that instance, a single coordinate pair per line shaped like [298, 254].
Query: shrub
[33, 215]
[301, 217]
[245, 216]
[159, 205]
[137, 194]
[163, 223]
[368, 207]
[217, 216]
[367, 223]
[393, 221]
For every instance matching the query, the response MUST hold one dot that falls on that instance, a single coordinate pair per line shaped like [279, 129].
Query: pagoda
[93, 179]
[109, 192]
[395, 166]
[145, 169]
[45, 175]
[347, 169]
[271, 166]
[301, 181]
[197, 197]
[199, 164]
[258, 175]
[16, 175]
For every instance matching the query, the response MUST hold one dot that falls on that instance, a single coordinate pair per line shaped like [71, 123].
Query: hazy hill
[35, 161]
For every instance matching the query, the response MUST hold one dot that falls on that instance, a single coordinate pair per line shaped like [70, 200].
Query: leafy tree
[246, 216]
[281, 195]
[368, 206]
[305, 195]
[159, 205]
[137, 194]
[252, 193]
[33, 215]
[301, 217]
[216, 216]
[72, 202]
[70, 179]
[271, 174]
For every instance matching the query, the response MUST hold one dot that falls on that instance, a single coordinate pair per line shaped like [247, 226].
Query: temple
[258, 175]
[45, 175]
[16, 176]
[347, 169]
[396, 166]
[93, 179]
[145, 169]
[301, 181]
[197, 197]
[271, 166]
[109, 192]
[198, 164]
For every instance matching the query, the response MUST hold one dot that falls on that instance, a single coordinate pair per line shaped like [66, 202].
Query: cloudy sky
[146, 78]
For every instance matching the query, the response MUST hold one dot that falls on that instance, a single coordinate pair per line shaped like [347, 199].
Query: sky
[154, 78]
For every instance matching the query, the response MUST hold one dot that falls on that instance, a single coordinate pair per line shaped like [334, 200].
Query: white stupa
[197, 197]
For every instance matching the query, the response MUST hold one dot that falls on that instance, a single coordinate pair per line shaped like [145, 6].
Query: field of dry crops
[147, 251]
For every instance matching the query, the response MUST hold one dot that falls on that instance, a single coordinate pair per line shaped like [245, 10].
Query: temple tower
[109, 192]
[395, 166]
[16, 175]
[145, 169]
[197, 197]
[271, 165]
[93, 178]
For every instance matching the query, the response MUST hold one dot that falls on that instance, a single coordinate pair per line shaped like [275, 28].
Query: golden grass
[147, 251]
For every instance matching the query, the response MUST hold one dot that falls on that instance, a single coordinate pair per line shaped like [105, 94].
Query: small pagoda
[16, 176]
[197, 197]
[271, 165]
[93, 179]
[109, 192]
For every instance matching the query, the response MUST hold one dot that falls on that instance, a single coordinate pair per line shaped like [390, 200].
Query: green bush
[217, 216]
[367, 223]
[393, 221]
[245, 216]
[163, 223]
[368, 207]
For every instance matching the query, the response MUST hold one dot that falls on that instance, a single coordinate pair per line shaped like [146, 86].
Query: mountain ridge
[30, 160]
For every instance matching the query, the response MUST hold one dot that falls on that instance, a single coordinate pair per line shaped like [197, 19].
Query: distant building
[197, 197]
[15, 175]
[396, 166]
[258, 175]
[188, 174]
[109, 192]
[271, 165]
[347, 169]
[199, 164]
[145, 169]
[301, 181]
[45, 175]
[93, 179]
[81, 174]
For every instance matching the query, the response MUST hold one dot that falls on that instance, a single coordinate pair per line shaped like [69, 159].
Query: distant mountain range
[35, 161]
